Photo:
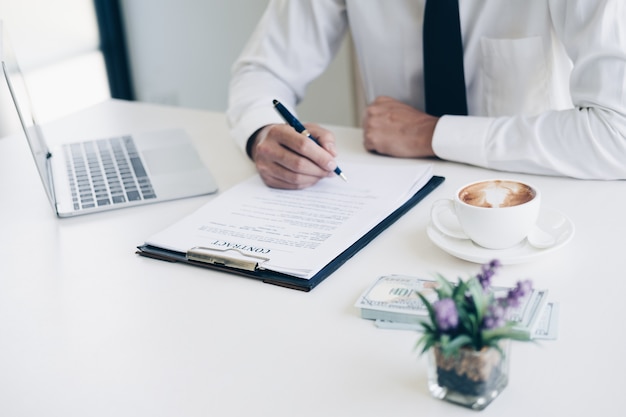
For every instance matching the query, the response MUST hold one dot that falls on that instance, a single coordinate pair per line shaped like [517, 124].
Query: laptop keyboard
[106, 171]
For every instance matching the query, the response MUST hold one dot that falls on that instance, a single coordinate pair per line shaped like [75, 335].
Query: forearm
[250, 104]
[587, 143]
[293, 44]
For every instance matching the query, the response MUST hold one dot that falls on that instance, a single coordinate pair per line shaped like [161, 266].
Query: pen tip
[343, 177]
[275, 102]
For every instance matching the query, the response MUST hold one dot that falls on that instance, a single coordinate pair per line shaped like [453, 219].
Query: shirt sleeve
[587, 141]
[292, 45]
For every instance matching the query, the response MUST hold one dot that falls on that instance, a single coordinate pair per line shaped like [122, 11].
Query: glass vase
[469, 378]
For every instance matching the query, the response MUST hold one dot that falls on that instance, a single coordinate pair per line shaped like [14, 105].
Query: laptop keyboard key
[107, 171]
[133, 195]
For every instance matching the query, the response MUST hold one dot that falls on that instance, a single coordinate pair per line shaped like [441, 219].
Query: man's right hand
[287, 159]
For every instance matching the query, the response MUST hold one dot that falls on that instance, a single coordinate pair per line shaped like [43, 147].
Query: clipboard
[235, 262]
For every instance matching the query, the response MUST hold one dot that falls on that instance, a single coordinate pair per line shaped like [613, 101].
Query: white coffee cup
[494, 213]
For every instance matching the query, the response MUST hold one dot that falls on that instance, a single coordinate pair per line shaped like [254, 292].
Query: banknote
[547, 328]
[392, 301]
[394, 298]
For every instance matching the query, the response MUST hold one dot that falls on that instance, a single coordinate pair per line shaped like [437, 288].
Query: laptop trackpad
[172, 159]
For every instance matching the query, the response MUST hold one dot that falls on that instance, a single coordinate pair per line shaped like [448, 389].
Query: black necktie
[444, 81]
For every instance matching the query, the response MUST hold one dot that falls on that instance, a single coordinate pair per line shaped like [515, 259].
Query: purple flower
[495, 317]
[516, 294]
[446, 314]
[487, 272]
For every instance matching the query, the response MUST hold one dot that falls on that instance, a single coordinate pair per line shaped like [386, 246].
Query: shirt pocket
[515, 76]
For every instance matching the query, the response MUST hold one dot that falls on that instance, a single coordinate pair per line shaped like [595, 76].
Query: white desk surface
[89, 328]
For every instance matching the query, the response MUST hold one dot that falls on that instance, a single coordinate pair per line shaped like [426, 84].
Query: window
[57, 45]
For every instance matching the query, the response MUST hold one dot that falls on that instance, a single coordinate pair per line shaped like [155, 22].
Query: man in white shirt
[545, 83]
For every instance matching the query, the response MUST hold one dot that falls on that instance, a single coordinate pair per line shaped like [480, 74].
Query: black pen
[295, 123]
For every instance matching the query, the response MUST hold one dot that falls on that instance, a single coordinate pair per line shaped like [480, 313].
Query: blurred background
[75, 53]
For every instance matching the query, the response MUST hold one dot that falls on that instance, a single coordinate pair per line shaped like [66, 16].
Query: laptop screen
[19, 94]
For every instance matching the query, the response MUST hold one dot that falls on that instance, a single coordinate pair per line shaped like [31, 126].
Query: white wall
[181, 52]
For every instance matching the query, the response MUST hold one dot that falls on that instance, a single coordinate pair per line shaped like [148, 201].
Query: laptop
[108, 173]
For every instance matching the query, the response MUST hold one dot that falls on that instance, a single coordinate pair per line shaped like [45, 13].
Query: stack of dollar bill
[392, 302]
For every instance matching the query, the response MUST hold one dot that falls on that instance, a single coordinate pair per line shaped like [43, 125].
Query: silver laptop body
[134, 169]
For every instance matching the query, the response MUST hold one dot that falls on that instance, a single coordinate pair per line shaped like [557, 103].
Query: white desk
[88, 328]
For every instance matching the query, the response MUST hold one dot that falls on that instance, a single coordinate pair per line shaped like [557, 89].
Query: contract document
[295, 233]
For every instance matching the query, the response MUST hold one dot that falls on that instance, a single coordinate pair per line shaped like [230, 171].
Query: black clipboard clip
[232, 258]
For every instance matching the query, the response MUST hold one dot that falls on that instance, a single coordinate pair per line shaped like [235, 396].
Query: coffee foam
[496, 194]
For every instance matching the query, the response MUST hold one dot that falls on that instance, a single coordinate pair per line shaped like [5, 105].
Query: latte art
[492, 213]
[498, 193]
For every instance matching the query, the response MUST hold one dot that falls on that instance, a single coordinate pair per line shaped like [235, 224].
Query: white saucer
[551, 221]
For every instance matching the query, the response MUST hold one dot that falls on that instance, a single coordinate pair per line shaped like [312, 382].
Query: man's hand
[286, 159]
[396, 129]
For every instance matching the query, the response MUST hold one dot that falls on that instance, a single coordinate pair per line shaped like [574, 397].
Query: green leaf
[429, 307]
[505, 332]
[428, 327]
[481, 300]
[472, 326]
[455, 344]
[467, 320]
[445, 289]
[428, 341]
[459, 291]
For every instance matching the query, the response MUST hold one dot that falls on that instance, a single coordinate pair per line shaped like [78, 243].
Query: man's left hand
[396, 129]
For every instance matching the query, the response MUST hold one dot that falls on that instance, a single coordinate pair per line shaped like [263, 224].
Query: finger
[277, 176]
[324, 137]
[307, 156]
[286, 159]
[383, 99]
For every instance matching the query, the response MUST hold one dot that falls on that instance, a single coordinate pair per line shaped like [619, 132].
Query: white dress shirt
[545, 79]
